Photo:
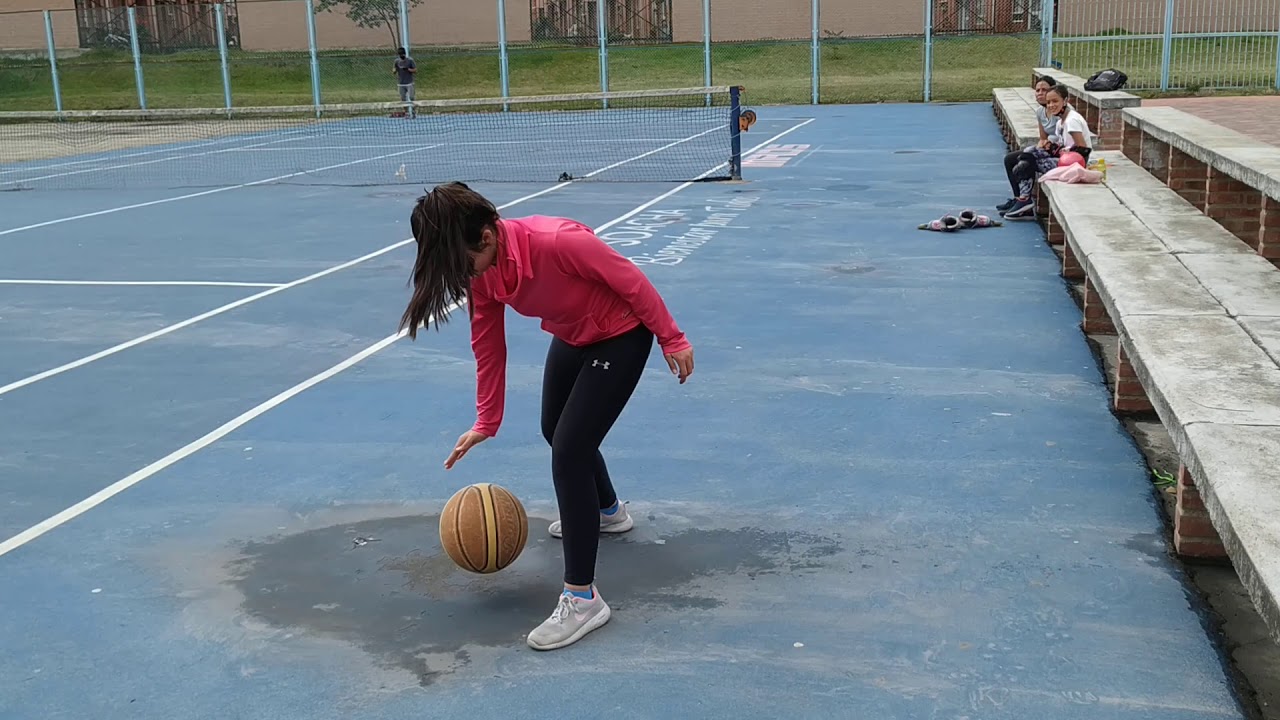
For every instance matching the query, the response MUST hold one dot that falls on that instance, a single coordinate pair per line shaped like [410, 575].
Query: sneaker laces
[563, 608]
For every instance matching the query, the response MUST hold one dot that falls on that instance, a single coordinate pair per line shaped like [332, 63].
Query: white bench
[1197, 315]
[1227, 175]
[1103, 110]
[1015, 111]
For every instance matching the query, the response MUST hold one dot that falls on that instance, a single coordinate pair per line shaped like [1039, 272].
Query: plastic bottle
[1099, 165]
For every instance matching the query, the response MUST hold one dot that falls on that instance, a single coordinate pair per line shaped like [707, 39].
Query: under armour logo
[597, 363]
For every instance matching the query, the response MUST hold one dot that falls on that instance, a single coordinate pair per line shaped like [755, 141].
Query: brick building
[280, 25]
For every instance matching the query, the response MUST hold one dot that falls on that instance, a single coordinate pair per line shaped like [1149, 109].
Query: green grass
[863, 70]
[1195, 63]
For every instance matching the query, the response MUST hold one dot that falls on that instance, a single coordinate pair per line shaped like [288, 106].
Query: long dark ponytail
[448, 224]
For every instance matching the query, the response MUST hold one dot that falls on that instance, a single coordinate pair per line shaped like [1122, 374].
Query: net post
[137, 57]
[602, 9]
[315, 62]
[53, 60]
[815, 50]
[735, 133]
[706, 46]
[503, 69]
[219, 14]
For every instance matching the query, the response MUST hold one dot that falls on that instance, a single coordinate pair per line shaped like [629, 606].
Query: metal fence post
[219, 12]
[315, 62]
[53, 60]
[602, 27]
[406, 43]
[1278, 57]
[504, 70]
[815, 51]
[928, 50]
[1166, 50]
[1047, 25]
[706, 47]
[137, 57]
[404, 26]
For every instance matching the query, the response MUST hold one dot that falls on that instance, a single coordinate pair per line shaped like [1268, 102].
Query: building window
[574, 22]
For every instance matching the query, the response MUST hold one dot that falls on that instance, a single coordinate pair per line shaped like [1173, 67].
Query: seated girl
[1023, 168]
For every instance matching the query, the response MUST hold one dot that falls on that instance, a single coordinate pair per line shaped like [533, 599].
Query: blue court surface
[891, 490]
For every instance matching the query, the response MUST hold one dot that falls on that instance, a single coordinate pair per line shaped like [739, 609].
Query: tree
[371, 13]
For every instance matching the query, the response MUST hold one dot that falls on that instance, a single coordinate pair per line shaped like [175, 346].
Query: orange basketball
[483, 528]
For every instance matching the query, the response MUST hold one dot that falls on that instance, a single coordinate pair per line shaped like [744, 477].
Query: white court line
[171, 158]
[111, 155]
[4, 389]
[202, 193]
[142, 283]
[559, 141]
[239, 421]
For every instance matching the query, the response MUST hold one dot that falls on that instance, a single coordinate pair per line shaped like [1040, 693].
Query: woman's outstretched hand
[469, 439]
[681, 363]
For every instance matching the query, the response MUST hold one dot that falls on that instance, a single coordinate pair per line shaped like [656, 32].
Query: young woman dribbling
[603, 315]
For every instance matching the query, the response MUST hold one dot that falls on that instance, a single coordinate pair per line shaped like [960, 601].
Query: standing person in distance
[603, 315]
[405, 69]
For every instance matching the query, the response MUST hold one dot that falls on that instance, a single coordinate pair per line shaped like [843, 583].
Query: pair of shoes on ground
[965, 220]
[575, 616]
[1017, 209]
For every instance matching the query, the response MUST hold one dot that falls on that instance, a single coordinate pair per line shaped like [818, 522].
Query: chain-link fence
[976, 45]
[252, 53]
[1169, 44]
[26, 75]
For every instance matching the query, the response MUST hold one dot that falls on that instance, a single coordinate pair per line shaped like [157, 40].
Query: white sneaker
[572, 619]
[618, 522]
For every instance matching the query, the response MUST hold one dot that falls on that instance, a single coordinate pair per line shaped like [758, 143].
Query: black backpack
[1111, 79]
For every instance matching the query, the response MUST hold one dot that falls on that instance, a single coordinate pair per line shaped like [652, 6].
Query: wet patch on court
[385, 586]
[851, 269]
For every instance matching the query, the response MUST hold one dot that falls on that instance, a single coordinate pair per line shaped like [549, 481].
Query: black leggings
[1020, 166]
[583, 392]
[1023, 167]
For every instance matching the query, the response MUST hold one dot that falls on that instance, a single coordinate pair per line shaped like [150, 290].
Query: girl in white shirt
[1075, 136]
[1072, 127]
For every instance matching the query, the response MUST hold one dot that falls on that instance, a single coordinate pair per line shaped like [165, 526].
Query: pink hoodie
[582, 289]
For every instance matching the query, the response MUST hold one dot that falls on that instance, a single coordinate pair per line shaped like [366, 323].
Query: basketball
[483, 528]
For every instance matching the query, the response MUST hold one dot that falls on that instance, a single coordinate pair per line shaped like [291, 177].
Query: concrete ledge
[1017, 116]
[1178, 223]
[1104, 99]
[1250, 161]
[1197, 318]
[1265, 331]
[1244, 284]
[1238, 484]
[1145, 284]
[1095, 221]
[1203, 368]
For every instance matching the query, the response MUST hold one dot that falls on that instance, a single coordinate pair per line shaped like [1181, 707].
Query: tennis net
[642, 136]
